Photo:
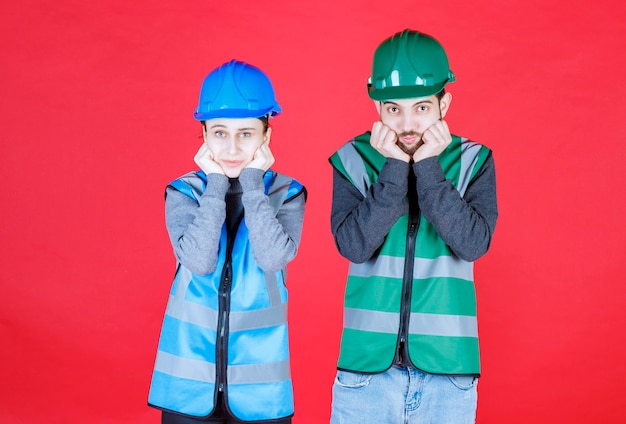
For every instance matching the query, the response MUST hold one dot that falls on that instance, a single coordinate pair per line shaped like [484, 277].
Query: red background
[96, 102]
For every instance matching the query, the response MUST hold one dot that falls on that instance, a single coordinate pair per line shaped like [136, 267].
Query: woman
[223, 355]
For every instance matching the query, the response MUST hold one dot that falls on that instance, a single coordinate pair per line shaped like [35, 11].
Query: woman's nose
[233, 147]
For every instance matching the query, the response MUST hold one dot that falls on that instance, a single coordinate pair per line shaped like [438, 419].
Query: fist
[205, 160]
[435, 140]
[263, 157]
[384, 140]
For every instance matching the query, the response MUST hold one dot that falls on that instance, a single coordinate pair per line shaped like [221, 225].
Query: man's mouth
[409, 138]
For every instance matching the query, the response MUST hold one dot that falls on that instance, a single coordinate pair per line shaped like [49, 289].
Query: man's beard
[409, 150]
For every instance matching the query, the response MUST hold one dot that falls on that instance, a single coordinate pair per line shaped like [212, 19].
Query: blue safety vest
[227, 331]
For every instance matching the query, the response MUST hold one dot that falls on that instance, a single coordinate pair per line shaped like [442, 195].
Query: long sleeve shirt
[195, 228]
[466, 224]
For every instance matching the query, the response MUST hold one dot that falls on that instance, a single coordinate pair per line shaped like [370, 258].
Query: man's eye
[422, 108]
[393, 109]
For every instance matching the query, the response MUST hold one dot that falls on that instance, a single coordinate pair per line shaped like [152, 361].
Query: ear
[204, 131]
[268, 135]
[444, 103]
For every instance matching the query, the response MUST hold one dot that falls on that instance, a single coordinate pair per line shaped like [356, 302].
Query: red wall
[96, 102]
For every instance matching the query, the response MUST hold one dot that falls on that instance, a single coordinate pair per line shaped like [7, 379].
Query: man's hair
[439, 96]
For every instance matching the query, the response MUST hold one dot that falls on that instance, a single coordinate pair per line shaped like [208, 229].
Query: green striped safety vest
[433, 298]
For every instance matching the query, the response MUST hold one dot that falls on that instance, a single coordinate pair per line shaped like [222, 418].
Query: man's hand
[204, 159]
[435, 140]
[263, 157]
[384, 139]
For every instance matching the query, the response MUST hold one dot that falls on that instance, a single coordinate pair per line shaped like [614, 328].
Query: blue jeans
[403, 395]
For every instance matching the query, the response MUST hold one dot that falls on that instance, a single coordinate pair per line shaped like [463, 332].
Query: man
[413, 207]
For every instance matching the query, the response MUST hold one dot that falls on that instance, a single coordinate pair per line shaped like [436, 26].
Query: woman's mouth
[232, 163]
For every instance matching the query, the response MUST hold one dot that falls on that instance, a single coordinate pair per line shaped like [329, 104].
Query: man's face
[234, 142]
[409, 118]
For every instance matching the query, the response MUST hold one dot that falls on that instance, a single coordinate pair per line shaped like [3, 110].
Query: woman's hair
[264, 119]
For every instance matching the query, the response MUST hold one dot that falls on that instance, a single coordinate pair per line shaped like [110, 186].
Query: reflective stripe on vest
[427, 324]
[258, 373]
[198, 370]
[443, 331]
[389, 266]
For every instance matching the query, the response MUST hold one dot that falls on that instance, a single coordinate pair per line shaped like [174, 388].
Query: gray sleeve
[195, 228]
[465, 223]
[360, 225]
[274, 239]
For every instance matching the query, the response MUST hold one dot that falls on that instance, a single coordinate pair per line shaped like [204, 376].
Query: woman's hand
[263, 157]
[204, 159]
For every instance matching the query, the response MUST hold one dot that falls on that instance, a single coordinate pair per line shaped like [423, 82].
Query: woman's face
[234, 141]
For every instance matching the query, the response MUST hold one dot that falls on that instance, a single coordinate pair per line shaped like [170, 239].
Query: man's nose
[408, 124]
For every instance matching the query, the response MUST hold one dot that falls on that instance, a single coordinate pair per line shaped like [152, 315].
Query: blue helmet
[236, 90]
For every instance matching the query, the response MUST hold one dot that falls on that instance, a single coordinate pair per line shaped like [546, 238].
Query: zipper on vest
[222, 324]
[402, 349]
[233, 219]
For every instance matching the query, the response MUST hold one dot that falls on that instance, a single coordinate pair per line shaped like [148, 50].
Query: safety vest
[415, 292]
[227, 331]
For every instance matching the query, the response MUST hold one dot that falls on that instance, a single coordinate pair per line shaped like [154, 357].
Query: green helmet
[407, 65]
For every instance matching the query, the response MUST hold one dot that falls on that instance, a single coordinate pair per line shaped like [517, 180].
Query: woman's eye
[245, 134]
[220, 134]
